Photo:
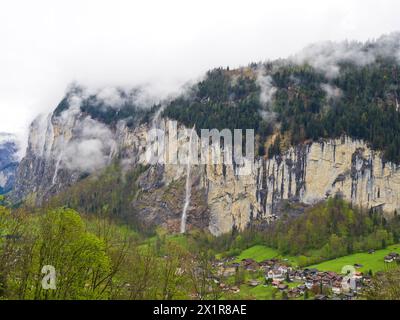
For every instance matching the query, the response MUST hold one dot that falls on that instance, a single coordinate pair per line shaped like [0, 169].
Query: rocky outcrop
[62, 149]
[311, 172]
[306, 174]
[8, 162]
[160, 202]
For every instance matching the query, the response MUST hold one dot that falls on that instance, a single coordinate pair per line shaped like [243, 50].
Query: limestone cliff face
[62, 150]
[222, 199]
[307, 174]
[314, 171]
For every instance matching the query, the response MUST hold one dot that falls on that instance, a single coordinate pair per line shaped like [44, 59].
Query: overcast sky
[46, 44]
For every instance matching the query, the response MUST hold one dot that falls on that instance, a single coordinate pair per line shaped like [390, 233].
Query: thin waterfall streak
[188, 185]
[56, 169]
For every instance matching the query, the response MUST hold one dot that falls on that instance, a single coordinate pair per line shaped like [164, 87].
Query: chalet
[268, 263]
[294, 293]
[337, 288]
[254, 283]
[309, 284]
[392, 257]
[235, 289]
[282, 287]
[309, 272]
[223, 286]
[394, 254]
[250, 264]
[366, 280]
[248, 261]
[388, 259]
[302, 289]
[229, 271]
[275, 275]
[284, 269]
[275, 283]
[296, 275]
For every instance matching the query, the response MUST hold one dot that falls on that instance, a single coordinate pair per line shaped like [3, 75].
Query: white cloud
[91, 144]
[111, 96]
[91, 147]
[332, 92]
[267, 89]
[327, 56]
[46, 44]
[267, 92]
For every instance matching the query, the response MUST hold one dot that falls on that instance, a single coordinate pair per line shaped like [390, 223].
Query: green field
[372, 261]
[260, 292]
[258, 253]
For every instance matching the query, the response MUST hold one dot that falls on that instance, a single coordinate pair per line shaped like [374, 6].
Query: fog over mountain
[199, 150]
[158, 44]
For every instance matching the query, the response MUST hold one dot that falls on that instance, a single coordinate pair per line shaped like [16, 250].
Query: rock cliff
[63, 149]
[8, 162]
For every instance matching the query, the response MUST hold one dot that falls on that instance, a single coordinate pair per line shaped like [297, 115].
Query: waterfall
[57, 167]
[49, 137]
[156, 118]
[59, 159]
[188, 184]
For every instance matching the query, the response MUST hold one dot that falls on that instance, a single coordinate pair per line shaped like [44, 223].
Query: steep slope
[8, 162]
[222, 199]
[319, 132]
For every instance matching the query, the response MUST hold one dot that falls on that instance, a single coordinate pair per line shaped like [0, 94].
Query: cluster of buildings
[295, 282]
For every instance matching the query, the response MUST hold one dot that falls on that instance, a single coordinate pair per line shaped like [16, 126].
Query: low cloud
[332, 92]
[267, 92]
[92, 142]
[111, 97]
[327, 56]
[7, 137]
[115, 98]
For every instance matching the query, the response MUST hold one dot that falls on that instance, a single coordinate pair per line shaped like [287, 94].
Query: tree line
[95, 258]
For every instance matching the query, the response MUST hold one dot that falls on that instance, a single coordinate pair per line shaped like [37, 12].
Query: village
[295, 283]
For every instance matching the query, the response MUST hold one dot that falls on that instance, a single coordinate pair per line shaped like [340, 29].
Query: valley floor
[254, 284]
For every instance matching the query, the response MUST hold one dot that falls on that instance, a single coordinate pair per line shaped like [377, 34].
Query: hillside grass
[374, 261]
[260, 253]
